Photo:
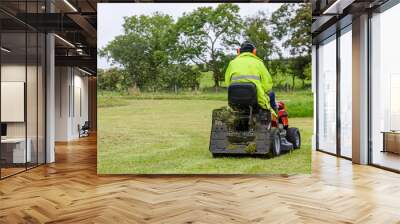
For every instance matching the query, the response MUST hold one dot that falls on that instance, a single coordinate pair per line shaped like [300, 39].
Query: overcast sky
[111, 16]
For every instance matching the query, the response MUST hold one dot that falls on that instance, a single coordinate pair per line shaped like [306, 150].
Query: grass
[299, 103]
[169, 136]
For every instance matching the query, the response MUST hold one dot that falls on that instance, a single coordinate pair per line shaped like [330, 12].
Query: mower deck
[256, 141]
[244, 128]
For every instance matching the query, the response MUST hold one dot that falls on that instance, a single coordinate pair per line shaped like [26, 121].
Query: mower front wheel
[275, 142]
[293, 136]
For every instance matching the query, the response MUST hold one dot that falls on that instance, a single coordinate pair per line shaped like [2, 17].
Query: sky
[110, 16]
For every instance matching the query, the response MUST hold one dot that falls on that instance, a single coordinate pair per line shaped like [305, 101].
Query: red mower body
[282, 117]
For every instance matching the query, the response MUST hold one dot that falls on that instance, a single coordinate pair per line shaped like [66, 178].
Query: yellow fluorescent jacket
[247, 67]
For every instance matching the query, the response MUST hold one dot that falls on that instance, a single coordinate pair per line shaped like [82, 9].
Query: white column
[360, 90]
[50, 100]
[314, 88]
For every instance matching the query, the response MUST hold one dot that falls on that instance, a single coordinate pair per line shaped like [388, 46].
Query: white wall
[71, 87]
[314, 90]
[62, 82]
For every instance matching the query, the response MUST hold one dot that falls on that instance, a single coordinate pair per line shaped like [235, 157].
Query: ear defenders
[254, 51]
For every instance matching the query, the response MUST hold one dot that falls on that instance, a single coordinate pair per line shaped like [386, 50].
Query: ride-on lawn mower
[245, 128]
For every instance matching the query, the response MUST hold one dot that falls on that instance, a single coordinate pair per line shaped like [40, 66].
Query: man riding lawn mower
[250, 125]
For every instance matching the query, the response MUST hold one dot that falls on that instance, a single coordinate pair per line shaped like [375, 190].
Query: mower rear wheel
[275, 142]
[293, 136]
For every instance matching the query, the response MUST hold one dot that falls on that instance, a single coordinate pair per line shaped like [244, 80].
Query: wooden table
[391, 141]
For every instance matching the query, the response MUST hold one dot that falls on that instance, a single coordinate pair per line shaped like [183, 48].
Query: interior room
[48, 92]
[344, 47]
[335, 57]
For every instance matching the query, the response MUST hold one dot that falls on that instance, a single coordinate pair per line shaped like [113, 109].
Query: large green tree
[144, 48]
[207, 34]
[257, 31]
[292, 26]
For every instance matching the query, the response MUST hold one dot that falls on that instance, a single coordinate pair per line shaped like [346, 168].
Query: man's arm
[228, 75]
[266, 79]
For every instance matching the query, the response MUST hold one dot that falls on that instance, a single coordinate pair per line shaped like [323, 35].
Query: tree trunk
[216, 83]
[293, 79]
[176, 89]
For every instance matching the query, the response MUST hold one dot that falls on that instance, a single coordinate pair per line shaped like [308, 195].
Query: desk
[391, 141]
[17, 152]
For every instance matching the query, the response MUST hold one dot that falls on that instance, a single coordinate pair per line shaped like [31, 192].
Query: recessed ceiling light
[337, 7]
[86, 72]
[5, 50]
[70, 5]
[64, 40]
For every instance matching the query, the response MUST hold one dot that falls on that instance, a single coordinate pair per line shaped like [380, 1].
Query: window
[327, 96]
[22, 77]
[385, 87]
[346, 92]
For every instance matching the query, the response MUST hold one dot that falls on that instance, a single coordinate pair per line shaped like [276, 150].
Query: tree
[292, 24]
[207, 34]
[144, 48]
[256, 30]
[113, 79]
[308, 72]
[298, 66]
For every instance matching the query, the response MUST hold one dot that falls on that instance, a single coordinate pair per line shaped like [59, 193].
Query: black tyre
[293, 136]
[275, 142]
[216, 155]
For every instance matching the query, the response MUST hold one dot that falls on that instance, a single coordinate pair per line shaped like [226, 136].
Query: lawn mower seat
[242, 96]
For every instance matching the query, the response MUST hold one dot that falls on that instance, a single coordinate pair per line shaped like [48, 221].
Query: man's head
[247, 46]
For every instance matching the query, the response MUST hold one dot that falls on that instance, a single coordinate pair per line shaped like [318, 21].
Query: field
[299, 103]
[169, 134]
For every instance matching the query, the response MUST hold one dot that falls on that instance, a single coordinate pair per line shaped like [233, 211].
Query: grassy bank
[172, 136]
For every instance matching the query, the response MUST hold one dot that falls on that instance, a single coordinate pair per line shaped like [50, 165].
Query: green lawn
[299, 103]
[172, 136]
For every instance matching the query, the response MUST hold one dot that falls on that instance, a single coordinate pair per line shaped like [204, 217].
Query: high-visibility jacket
[247, 67]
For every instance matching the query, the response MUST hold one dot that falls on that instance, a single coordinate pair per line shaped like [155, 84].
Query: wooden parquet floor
[69, 191]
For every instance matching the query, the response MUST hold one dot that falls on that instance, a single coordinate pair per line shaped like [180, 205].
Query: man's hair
[247, 46]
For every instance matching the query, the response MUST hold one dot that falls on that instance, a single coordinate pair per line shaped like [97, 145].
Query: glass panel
[22, 88]
[385, 84]
[31, 98]
[13, 88]
[346, 94]
[327, 96]
[41, 99]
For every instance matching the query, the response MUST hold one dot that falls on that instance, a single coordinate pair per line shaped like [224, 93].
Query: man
[247, 67]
